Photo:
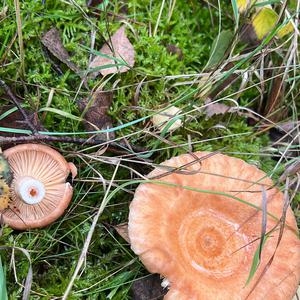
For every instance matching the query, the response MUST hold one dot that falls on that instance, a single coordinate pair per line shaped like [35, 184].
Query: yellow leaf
[264, 21]
[243, 5]
[288, 28]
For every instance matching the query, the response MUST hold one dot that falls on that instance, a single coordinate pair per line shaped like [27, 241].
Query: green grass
[111, 266]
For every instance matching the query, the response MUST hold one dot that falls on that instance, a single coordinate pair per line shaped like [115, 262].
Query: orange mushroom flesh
[39, 191]
[203, 243]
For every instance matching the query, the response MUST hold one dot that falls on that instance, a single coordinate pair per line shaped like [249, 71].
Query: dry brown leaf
[122, 230]
[94, 111]
[15, 120]
[52, 41]
[221, 109]
[291, 170]
[119, 47]
[217, 109]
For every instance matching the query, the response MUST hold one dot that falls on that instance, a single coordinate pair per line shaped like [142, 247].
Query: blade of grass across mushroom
[120, 187]
[263, 238]
[282, 224]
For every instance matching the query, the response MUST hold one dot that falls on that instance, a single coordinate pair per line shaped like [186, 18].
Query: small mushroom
[203, 243]
[39, 191]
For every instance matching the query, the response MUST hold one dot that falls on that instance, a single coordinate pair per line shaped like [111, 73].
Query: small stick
[19, 106]
[112, 146]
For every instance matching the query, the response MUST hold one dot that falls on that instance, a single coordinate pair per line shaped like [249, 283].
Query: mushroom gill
[204, 241]
[39, 191]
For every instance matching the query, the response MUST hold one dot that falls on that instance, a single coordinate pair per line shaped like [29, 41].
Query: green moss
[110, 266]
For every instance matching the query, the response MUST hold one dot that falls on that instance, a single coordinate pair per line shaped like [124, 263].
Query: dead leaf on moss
[12, 118]
[122, 230]
[217, 109]
[117, 55]
[94, 111]
[52, 41]
[221, 109]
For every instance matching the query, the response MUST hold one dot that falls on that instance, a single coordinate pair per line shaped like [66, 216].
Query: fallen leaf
[221, 109]
[160, 120]
[290, 170]
[52, 41]
[117, 51]
[122, 230]
[217, 109]
[148, 288]
[94, 111]
[10, 117]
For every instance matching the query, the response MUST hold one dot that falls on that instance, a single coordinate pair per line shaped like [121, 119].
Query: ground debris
[94, 111]
[52, 41]
[117, 47]
[122, 230]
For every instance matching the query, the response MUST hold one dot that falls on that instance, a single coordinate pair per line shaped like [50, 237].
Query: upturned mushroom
[193, 230]
[39, 193]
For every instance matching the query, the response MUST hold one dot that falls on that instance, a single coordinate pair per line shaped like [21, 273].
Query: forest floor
[233, 92]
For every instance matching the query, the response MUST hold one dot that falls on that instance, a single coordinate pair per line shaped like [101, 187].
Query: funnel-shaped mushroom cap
[204, 242]
[39, 191]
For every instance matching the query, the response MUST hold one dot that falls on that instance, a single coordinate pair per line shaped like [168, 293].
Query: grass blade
[3, 290]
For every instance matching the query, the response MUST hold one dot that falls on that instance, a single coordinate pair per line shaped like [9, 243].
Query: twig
[112, 146]
[19, 106]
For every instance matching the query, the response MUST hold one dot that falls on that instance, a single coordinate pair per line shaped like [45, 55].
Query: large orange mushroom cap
[39, 191]
[204, 242]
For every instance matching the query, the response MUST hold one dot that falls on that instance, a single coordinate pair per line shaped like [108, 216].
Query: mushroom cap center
[30, 190]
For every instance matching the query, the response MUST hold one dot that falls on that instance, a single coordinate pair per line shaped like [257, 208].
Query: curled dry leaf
[122, 230]
[94, 111]
[221, 109]
[52, 41]
[118, 47]
[161, 119]
[291, 170]
[217, 109]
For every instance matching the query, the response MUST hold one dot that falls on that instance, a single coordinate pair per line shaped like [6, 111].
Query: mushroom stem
[30, 190]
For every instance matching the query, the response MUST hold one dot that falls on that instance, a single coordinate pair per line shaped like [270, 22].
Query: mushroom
[203, 242]
[39, 191]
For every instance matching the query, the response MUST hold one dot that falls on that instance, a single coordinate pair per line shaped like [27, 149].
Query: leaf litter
[116, 56]
[94, 111]
[53, 42]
